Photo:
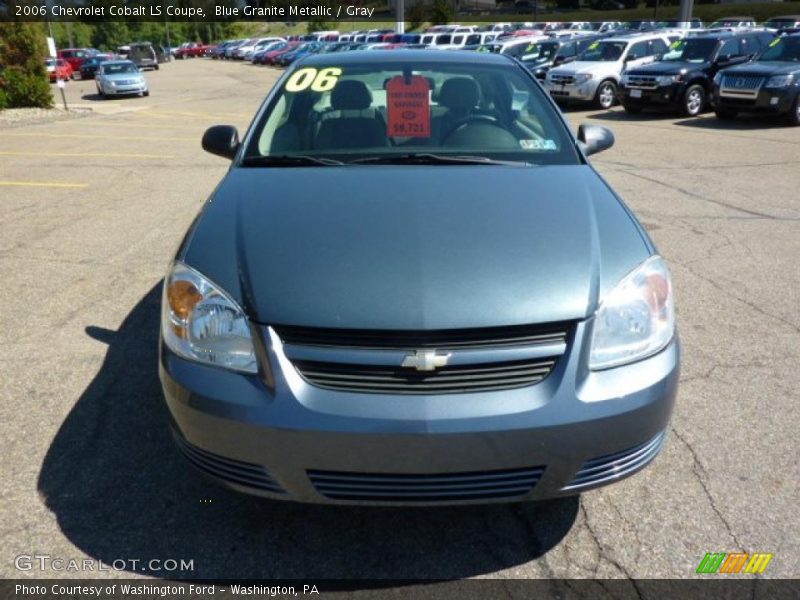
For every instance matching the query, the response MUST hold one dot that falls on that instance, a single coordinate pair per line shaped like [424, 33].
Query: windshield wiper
[290, 160]
[435, 159]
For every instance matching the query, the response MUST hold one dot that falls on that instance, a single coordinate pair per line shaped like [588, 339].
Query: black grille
[617, 465]
[521, 335]
[234, 471]
[445, 380]
[388, 487]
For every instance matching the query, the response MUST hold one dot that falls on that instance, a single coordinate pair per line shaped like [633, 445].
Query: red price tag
[408, 107]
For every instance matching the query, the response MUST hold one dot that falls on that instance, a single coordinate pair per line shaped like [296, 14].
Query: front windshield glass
[782, 49]
[693, 50]
[605, 51]
[115, 68]
[387, 110]
[541, 52]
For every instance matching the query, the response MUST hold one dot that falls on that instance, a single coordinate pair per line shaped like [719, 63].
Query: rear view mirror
[594, 138]
[222, 140]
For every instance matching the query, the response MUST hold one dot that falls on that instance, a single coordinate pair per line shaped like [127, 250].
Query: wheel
[606, 94]
[631, 109]
[146, 93]
[694, 100]
[156, 67]
[794, 113]
[726, 114]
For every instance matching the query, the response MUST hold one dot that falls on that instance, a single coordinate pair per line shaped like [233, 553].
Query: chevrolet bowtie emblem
[426, 360]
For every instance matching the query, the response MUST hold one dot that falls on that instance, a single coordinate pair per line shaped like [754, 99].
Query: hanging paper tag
[408, 107]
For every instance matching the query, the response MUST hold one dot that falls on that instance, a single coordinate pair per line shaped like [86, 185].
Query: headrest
[351, 95]
[459, 92]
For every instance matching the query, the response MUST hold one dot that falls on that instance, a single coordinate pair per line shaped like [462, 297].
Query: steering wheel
[486, 119]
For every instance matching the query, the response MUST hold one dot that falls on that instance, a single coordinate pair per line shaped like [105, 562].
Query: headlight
[780, 81]
[582, 78]
[636, 319]
[718, 78]
[625, 80]
[201, 322]
[668, 79]
[111, 83]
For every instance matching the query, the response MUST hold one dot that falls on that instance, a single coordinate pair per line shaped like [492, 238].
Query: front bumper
[767, 101]
[125, 90]
[573, 431]
[573, 92]
[665, 97]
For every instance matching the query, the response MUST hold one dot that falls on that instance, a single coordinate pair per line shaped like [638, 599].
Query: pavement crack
[701, 474]
[604, 551]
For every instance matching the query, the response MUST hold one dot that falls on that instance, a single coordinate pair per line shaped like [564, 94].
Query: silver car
[120, 78]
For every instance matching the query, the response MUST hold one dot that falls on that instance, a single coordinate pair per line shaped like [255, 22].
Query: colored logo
[735, 562]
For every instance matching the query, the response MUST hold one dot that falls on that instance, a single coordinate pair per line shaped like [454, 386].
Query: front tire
[725, 114]
[694, 100]
[606, 94]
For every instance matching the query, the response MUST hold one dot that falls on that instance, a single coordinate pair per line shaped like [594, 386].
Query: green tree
[23, 48]
[441, 12]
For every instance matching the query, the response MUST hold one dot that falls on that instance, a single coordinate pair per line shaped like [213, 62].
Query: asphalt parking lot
[91, 211]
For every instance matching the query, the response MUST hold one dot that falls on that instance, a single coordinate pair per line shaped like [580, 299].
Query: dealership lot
[92, 210]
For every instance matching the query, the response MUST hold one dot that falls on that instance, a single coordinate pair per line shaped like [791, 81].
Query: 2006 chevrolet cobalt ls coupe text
[411, 287]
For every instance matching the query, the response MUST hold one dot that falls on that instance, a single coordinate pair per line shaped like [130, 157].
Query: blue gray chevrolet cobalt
[412, 288]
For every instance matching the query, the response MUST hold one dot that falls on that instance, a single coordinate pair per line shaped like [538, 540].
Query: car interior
[483, 111]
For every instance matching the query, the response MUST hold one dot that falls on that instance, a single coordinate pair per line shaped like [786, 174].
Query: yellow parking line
[87, 154]
[55, 184]
[190, 113]
[198, 128]
[100, 137]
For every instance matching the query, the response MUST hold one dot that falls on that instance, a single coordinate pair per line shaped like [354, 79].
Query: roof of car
[633, 37]
[360, 57]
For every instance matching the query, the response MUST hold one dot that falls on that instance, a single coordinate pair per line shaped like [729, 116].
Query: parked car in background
[595, 74]
[783, 23]
[120, 78]
[768, 85]
[540, 56]
[301, 50]
[89, 66]
[192, 50]
[733, 23]
[683, 79]
[271, 57]
[143, 55]
[74, 56]
[58, 69]
[515, 47]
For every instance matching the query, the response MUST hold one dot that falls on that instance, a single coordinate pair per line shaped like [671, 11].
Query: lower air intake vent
[234, 471]
[618, 465]
[377, 487]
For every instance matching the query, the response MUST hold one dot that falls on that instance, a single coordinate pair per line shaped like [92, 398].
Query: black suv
[682, 79]
[540, 57]
[770, 84]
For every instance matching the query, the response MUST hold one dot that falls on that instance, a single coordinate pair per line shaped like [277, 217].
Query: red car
[270, 57]
[192, 50]
[58, 68]
[74, 56]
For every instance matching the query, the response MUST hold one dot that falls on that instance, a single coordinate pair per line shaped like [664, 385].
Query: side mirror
[594, 138]
[222, 140]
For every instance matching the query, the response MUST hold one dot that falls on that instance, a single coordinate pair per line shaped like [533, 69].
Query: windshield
[540, 53]
[693, 50]
[782, 49]
[394, 111]
[114, 69]
[603, 51]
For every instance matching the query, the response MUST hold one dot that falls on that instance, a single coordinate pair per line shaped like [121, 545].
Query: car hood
[671, 67]
[421, 247]
[764, 68]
